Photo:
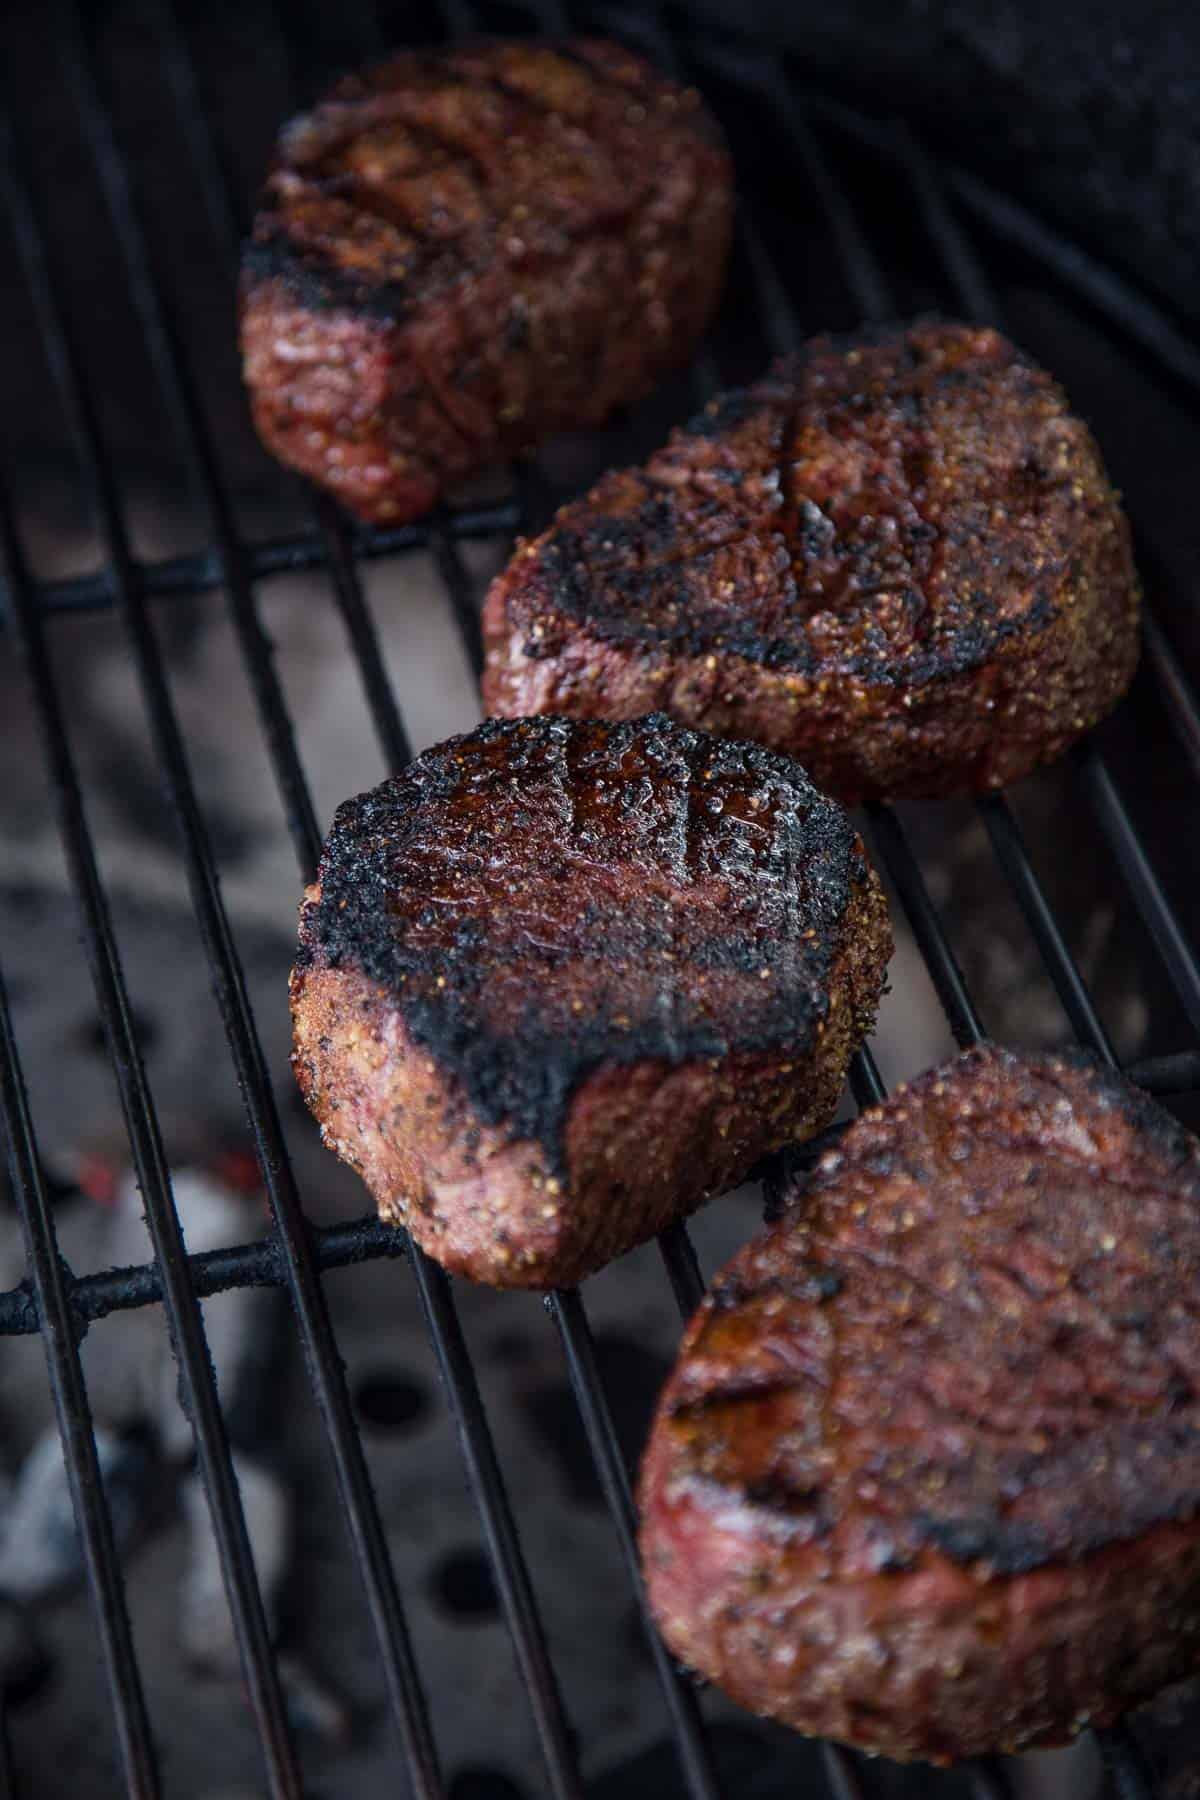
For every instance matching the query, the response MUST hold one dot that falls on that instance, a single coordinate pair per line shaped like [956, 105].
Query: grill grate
[57, 1304]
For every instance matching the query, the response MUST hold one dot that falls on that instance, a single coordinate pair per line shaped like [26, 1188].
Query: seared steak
[927, 1475]
[462, 251]
[897, 558]
[560, 982]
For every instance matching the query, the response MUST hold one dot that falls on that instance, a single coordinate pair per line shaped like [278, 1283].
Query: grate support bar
[202, 571]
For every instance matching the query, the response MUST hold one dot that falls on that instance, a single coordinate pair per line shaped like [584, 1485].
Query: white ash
[40, 1550]
[206, 1631]
[146, 1376]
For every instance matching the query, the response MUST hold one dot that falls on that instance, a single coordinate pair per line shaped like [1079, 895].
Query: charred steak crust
[898, 558]
[927, 1475]
[461, 251]
[557, 982]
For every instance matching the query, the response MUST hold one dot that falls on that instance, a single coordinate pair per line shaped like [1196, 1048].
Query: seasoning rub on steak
[560, 982]
[897, 558]
[462, 251]
[926, 1477]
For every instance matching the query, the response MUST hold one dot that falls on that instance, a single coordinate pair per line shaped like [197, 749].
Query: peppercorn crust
[926, 1477]
[897, 558]
[558, 983]
[461, 251]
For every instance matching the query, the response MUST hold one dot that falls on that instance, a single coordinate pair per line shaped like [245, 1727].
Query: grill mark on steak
[277, 254]
[653, 532]
[898, 558]
[529, 103]
[394, 109]
[581, 54]
[1037, 1246]
[385, 862]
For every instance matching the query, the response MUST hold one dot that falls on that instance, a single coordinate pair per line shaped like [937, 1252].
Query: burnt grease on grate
[540, 898]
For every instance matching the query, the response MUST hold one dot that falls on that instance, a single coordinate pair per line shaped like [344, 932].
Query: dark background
[1086, 108]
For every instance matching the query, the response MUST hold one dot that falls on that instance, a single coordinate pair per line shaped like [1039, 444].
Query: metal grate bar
[928, 929]
[863, 274]
[458, 585]
[1178, 1072]
[566, 1309]
[257, 1264]
[841, 1772]
[683, 1268]
[866, 1080]
[962, 270]
[186, 1326]
[500, 1531]
[1072, 990]
[1180, 695]
[60, 1340]
[364, 642]
[989, 1779]
[8, 1779]
[200, 571]
[1128, 1768]
[1160, 918]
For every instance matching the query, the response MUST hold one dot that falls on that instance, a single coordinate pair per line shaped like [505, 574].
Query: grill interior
[157, 125]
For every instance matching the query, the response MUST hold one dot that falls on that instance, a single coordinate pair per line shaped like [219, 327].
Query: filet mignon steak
[559, 982]
[897, 558]
[926, 1477]
[464, 250]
